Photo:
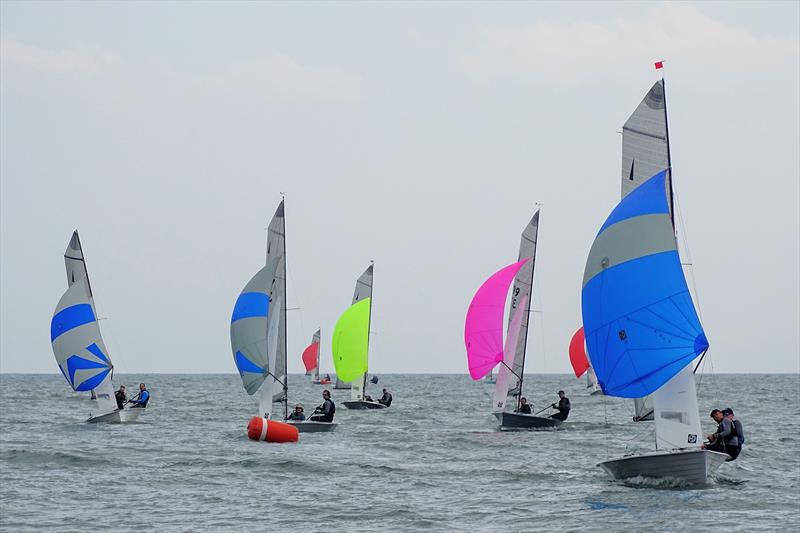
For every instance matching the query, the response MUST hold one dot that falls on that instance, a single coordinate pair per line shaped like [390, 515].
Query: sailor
[297, 414]
[524, 406]
[120, 397]
[141, 399]
[327, 377]
[563, 407]
[324, 412]
[737, 425]
[386, 399]
[725, 440]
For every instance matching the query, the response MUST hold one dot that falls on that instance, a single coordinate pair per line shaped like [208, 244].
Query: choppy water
[433, 461]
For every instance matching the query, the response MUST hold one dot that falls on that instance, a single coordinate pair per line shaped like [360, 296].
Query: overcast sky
[418, 135]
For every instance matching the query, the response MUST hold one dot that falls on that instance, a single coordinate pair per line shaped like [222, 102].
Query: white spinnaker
[363, 290]
[503, 376]
[677, 417]
[78, 346]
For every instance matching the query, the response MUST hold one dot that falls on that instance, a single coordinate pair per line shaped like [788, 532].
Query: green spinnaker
[350, 341]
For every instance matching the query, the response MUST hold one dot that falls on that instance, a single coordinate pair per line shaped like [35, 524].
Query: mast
[669, 156]
[285, 306]
[528, 311]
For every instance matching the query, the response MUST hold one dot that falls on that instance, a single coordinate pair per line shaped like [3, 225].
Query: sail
[75, 263]
[483, 326]
[645, 142]
[249, 323]
[77, 344]
[577, 354]
[640, 324]
[523, 287]
[509, 349]
[350, 343]
[276, 250]
[676, 417]
[311, 355]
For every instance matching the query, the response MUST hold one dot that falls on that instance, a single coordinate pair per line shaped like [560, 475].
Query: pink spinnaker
[483, 327]
[577, 353]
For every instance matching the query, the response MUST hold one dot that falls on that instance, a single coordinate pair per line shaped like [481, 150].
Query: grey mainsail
[645, 153]
[316, 340]
[363, 290]
[276, 249]
[521, 292]
[645, 141]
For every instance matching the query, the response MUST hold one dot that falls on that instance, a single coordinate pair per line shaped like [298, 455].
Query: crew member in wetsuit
[120, 397]
[325, 412]
[297, 414]
[725, 440]
[524, 406]
[737, 425]
[141, 399]
[563, 407]
[386, 399]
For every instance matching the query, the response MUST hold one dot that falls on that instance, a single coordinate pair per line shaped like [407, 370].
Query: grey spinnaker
[521, 292]
[75, 336]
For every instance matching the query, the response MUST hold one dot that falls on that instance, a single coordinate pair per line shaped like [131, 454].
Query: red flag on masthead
[659, 64]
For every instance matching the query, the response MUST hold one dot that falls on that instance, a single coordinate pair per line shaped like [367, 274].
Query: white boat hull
[689, 466]
[518, 421]
[363, 404]
[312, 426]
[122, 416]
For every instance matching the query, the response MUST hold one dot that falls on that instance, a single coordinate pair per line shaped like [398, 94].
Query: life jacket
[143, 402]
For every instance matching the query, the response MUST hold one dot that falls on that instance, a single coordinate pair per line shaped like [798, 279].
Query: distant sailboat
[643, 332]
[311, 357]
[79, 349]
[483, 334]
[580, 362]
[350, 344]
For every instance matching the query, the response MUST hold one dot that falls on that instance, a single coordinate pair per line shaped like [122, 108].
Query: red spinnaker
[310, 356]
[577, 353]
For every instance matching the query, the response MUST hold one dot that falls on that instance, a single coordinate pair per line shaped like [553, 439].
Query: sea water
[434, 461]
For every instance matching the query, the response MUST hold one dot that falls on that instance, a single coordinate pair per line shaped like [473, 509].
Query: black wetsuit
[386, 399]
[563, 409]
[525, 409]
[120, 397]
[325, 412]
[726, 440]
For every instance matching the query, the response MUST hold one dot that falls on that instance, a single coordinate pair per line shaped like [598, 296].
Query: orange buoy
[260, 428]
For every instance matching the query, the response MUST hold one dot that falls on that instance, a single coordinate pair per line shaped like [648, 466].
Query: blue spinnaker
[640, 323]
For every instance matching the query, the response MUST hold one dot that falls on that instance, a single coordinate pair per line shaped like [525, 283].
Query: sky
[418, 135]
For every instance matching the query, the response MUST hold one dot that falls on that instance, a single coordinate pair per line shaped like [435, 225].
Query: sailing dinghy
[80, 352]
[643, 332]
[350, 344]
[258, 339]
[483, 334]
[310, 358]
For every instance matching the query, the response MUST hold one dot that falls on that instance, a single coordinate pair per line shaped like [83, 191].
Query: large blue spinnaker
[640, 323]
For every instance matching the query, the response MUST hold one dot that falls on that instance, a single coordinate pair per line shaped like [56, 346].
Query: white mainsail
[677, 416]
[316, 340]
[500, 396]
[77, 344]
[363, 290]
[645, 152]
